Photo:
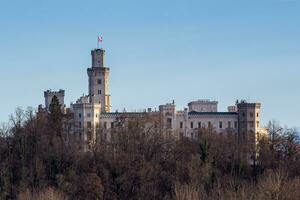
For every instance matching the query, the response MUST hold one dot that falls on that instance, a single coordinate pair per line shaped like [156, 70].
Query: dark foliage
[142, 163]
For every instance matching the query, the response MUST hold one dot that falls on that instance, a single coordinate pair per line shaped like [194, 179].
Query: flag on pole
[100, 39]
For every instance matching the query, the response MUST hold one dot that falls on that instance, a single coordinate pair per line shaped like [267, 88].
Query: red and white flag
[100, 39]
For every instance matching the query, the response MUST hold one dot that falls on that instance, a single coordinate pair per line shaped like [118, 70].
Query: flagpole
[99, 41]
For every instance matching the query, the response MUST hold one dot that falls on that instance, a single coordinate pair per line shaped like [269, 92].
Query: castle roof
[212, 113]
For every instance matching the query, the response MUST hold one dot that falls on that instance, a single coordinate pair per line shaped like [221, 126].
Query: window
[251, 114]
[199, 124]
[79, 115]
[169, 123]
[257, 114]
[105, 125]
[96, 116]
[111, 125]
[99, 81]
[243, 114]
[229, 124]
[89, 115]
[99, 91]
[235, 124]
[89, 124]
[257, 124]
[209, 125]
[181, 124]
[192, 125]
[79, 124]
[220, 124]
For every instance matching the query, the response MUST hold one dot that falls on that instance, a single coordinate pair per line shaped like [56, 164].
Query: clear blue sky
[158, 50]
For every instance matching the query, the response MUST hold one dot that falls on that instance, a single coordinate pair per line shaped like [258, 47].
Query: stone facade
[98, 81]
[93, 111]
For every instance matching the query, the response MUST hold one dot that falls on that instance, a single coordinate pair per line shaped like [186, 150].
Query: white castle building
[93, 111]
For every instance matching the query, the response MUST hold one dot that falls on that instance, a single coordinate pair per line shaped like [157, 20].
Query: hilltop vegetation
[36, 162]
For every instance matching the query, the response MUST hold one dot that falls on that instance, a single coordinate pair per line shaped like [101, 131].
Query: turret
[99, 80]
[49, 96]
[98, 58]
[249, 121]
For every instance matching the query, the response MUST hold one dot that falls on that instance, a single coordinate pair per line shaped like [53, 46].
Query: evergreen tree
[55, 116]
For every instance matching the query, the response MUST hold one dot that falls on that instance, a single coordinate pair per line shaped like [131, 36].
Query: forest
[38, 161]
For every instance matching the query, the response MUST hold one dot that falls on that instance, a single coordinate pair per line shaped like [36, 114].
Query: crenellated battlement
[50, 92]
[93, 111]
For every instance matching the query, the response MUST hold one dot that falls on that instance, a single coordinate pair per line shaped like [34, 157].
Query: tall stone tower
[249, 122]
[99, 80]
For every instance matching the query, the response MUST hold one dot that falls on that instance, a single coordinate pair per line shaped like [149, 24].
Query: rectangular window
[105, 125]
[99, 81]
[199, 124]
[257, 115]
[257, 124]
[89, 124]
[251, 114]
[99, 91]
[181, 124]
[192, 125]
[209, 125]
[89, 115]
[229, 124]
[79, 115]
[111, 125]
[220, 125]
[235, 124]
[169, 123]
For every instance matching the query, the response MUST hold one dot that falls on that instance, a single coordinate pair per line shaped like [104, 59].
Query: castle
[93, 111]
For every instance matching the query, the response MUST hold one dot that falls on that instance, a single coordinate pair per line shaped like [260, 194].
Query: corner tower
[249, 121]
[99, 80]
[49, 96]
